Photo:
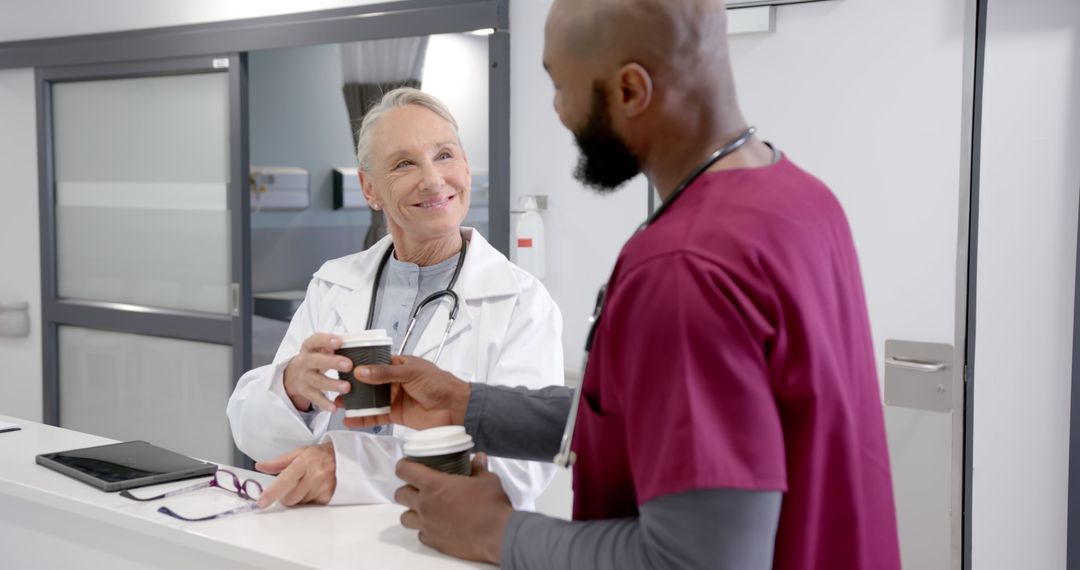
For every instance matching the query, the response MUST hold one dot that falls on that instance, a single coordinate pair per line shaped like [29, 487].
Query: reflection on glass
[141, 169]
[169, 392]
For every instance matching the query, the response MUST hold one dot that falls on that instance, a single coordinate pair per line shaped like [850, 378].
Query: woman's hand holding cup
[305, 377]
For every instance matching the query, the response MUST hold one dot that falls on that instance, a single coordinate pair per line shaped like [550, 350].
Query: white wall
[20, 267]
[456, 71]
[1026, 269]
[584, 231]
[880, 124]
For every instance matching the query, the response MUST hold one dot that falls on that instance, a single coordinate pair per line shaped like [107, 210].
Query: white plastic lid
[437, 441]
[373, 337]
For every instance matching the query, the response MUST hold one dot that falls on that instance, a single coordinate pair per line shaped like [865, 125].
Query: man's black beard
[605, 162]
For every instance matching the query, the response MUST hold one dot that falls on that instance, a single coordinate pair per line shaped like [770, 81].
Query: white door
[870, 97]
[145, 208]
[1028, 197]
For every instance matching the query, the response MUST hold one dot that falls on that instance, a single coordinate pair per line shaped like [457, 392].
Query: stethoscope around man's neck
[565, 457]
[447, 292]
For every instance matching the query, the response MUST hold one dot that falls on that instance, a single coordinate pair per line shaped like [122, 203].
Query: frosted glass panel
[169, 392]
[141, 171]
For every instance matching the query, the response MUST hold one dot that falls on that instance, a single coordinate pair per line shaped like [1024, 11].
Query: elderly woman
[508, 329]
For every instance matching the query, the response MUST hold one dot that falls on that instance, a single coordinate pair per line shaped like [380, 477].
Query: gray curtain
[369, 70]
[361, 97]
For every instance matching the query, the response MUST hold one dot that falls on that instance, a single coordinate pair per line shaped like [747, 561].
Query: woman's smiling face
[418, 174]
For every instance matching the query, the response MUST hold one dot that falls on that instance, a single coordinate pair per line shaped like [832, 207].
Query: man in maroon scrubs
[730, 414]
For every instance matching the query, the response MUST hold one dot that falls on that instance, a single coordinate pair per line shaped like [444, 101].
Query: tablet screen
[125, 461]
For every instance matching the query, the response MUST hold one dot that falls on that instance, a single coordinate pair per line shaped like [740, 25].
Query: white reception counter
[48, 520]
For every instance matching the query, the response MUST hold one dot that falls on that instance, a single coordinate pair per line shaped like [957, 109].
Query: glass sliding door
[145, 232]
[130, 386]
[141, 169]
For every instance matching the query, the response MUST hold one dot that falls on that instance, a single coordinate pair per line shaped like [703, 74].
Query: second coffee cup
[443, 448]
[365, 347]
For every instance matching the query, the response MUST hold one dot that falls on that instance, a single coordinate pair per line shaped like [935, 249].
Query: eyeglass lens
[249, 489]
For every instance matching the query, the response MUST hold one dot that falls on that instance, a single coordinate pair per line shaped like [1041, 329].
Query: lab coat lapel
[352, 309]
[357, 275]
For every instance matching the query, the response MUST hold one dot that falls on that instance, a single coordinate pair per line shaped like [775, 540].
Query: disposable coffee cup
[443, 448]
[365, 347]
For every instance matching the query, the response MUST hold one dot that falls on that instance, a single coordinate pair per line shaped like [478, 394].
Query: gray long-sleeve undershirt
[704, 528]
[517, 423]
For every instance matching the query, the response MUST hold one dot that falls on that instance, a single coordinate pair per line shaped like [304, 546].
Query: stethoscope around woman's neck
[566, 457]
[447, 292]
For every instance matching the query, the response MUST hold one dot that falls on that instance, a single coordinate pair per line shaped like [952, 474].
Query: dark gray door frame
[1072, 554]
[228, 329]
[499, 140]
[979, 59]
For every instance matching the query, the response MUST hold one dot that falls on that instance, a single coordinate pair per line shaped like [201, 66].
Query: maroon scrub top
[734, 352]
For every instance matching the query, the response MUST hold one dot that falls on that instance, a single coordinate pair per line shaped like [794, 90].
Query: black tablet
[125, 465]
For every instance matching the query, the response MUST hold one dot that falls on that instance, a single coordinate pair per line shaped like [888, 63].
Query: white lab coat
[507, 332]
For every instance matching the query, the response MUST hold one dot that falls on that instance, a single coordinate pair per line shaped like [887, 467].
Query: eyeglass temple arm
[236, 511]
[172, 493]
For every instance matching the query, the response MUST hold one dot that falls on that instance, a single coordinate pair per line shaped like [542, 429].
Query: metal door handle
[917, 365]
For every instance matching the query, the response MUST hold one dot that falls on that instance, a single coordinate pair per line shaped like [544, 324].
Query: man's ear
[635, 89]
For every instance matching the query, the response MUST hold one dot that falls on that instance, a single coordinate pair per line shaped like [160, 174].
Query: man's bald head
[672, 39]
[642, 84]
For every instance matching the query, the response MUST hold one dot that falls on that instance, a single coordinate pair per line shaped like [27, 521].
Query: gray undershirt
[402, 286]
[704, 528]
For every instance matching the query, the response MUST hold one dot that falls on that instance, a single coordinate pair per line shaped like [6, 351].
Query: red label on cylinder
[524, 242]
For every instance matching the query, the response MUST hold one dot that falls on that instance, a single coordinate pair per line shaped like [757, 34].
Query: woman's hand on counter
[304, 475]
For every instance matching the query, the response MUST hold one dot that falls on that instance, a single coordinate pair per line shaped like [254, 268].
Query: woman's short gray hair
[401, 97]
